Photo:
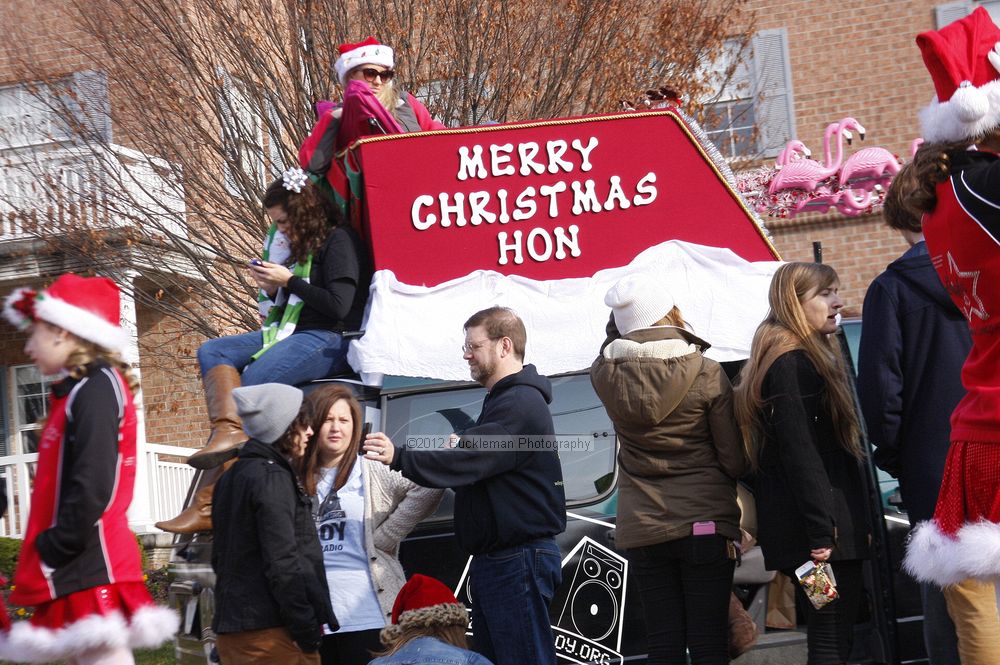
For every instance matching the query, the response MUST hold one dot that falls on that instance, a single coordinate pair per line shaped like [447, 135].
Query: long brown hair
[287, 443]
[311, 216]
[787, 329]
[321, 401]
[931, 165]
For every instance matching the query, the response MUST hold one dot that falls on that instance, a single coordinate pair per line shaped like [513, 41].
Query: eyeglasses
[475, 346]
[370, 74]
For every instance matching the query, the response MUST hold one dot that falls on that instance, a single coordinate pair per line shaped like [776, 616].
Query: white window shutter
[774, 102]
[227, 114]
[90, 106]
[950, 12]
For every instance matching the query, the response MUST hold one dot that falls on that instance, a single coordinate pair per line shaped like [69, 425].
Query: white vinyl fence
[167, 485]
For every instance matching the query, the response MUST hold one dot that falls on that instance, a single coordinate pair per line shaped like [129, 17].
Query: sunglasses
[370, 74]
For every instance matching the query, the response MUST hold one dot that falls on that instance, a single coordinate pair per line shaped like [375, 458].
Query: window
[576, 412]
[950, 12]
[752, 115]
[31, 405]
[242, 135]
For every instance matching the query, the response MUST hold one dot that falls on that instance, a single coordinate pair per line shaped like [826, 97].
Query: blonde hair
[86, 352]
[388, 94]
[786, 329]
[672, 318]
[453, 635]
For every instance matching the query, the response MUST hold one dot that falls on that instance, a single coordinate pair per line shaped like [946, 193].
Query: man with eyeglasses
[509, 498]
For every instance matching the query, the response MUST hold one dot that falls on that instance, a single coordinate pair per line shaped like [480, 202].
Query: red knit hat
[88, 307]
[963, 59]
[424, 602]
[367, 52]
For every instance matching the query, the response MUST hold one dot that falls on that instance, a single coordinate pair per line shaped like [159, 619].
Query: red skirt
[970, 487]
[104, 617]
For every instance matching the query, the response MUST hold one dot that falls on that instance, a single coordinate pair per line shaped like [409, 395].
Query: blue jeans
[684, 586]
[511, 590]
[299, 358]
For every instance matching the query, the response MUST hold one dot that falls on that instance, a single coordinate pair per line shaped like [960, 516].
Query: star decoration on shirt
[966, 284]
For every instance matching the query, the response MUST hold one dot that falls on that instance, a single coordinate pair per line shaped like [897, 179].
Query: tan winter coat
[680, 448]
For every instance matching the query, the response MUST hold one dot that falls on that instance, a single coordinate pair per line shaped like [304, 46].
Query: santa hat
[368, 52]
[88, 307]
[963, 59]
[638, 301]
[423, 602]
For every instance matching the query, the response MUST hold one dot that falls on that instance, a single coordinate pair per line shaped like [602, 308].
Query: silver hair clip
[294, 179]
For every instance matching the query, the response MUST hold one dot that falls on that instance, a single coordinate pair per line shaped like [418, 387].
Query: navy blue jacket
[913, 344]
[502, 498]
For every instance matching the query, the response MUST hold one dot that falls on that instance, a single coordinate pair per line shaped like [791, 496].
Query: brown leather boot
[227, 431]
[198, 515]
[742, 629]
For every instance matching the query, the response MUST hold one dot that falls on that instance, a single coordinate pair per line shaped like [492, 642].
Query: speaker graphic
[590, 604]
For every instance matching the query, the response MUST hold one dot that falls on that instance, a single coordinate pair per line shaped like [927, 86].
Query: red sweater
[86, 471]
[963, 238]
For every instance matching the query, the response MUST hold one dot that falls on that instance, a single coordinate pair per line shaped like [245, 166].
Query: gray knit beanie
[268, 409]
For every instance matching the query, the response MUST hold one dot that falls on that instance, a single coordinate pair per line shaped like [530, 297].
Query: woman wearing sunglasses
[372, 63]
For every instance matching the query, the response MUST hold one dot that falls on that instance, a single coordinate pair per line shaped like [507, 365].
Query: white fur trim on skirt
[150, 627]
[974, 552]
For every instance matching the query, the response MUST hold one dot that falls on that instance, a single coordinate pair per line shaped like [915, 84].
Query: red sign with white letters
[546, 200]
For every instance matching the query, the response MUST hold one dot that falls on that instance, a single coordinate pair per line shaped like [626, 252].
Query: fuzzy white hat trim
[149, 627]
[367, 54]
[969, 113]
[441, 615]
[933, 556]
[81, 322]
[13, 315]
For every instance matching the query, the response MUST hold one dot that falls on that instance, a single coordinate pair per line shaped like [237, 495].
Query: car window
[577, 413]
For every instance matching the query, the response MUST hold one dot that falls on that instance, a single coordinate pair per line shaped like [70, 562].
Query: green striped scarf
[282, 317]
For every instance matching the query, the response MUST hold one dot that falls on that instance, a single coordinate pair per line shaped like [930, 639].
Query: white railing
[54, 188]
[167, 485]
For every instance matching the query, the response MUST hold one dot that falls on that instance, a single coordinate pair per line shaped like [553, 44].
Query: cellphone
[702, 528]
[365, 431]
[256, 262]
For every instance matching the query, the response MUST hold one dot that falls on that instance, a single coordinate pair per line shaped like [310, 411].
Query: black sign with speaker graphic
[589, 604]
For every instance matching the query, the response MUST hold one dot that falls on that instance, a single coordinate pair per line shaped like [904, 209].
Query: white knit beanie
[267, 410]
[638, 301]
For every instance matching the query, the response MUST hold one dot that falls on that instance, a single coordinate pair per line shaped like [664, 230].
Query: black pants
[354, 648]
[831, 628]
[684, 586]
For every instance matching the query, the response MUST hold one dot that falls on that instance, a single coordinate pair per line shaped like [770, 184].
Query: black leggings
[684, 585]
[831, 628]
[354, 648]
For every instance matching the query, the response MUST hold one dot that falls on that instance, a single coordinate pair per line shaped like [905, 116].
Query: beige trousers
[973, 609]
[270, 646]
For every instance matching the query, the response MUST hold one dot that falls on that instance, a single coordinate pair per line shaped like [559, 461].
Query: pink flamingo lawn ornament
[914, 146]
[806, 174]
[868, 168]
[793, 150]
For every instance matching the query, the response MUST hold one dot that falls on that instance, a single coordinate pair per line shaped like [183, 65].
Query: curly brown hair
[931, 165]
[311, 216]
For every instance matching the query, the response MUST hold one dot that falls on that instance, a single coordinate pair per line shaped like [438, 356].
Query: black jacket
[334, 297]
[502, 498]
[810, 492]
[913, 344]
[265, 552]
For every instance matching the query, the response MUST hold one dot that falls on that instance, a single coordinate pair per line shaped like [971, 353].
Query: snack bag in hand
[818, 582]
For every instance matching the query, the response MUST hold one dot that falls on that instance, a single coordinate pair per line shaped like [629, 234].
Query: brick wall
[852, 58]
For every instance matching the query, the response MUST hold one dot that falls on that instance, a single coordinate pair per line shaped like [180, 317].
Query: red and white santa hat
[423, 602]
[367, 52]
[88, 307]
[963, 59]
